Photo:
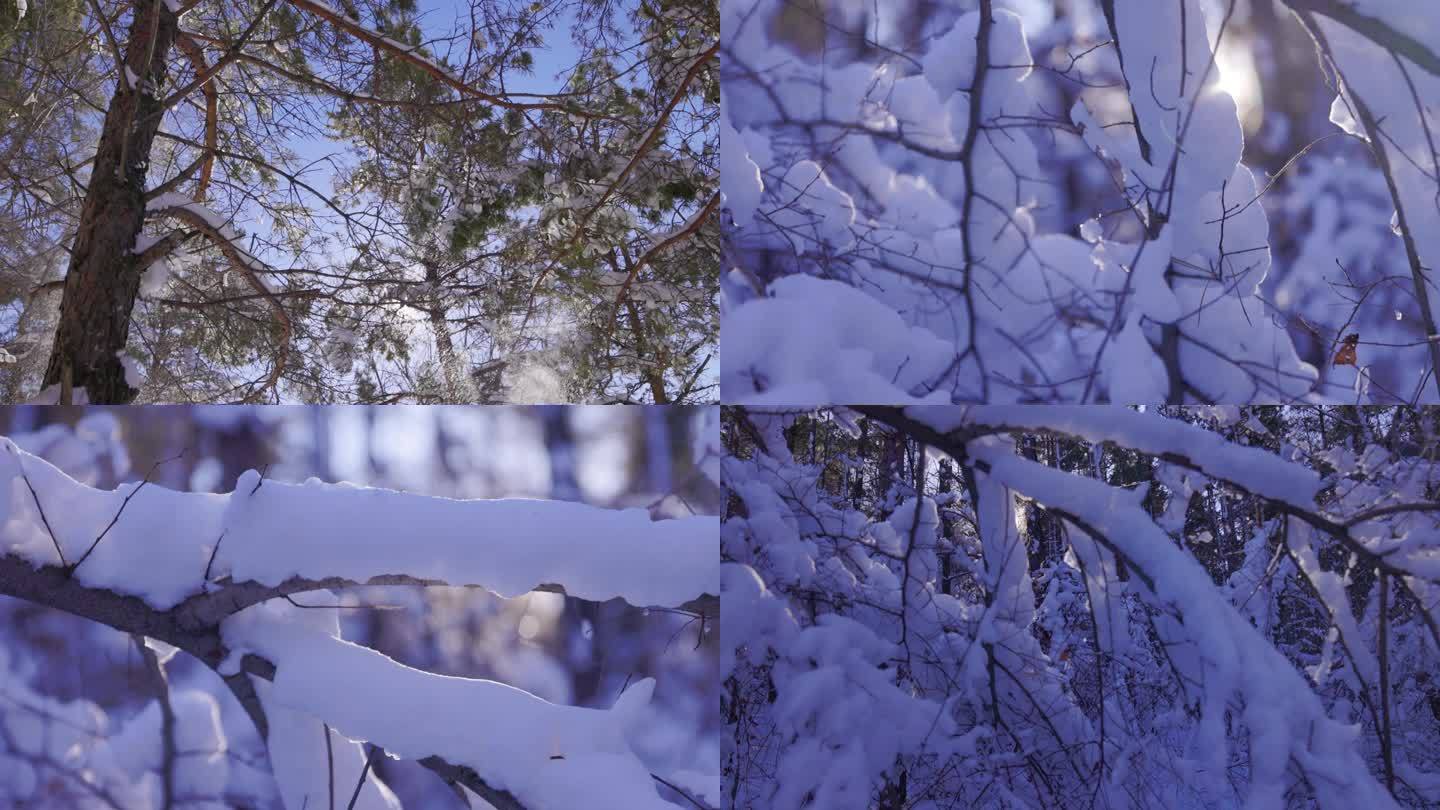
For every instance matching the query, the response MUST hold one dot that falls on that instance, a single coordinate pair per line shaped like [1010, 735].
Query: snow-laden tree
[1052, 606]
[994, 201]
[243, 595]
[289, 200]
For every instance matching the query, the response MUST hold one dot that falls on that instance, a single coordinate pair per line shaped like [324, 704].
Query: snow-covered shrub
[925, 205]
[1048, 606]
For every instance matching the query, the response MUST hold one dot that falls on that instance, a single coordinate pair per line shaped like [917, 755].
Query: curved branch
[1372, 28]
[196, 55]
[1249, 666]
[1420, 282]
[408, 54]
[244, 264]
[1254, 473]
[663, 244]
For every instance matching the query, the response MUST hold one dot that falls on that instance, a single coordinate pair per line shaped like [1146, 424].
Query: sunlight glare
[1238, 77]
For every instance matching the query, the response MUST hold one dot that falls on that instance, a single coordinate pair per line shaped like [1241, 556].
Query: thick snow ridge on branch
[509, 546]
[1259, 471]
[816, 340]
[926, 202]
[1286, 721]
[157, 544]
[546, 755]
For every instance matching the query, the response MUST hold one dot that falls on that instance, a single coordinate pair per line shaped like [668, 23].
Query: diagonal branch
[196, 55]
[1368, 120]
[664, 244]
[1374, 29]
[409, 54]
[245, 265]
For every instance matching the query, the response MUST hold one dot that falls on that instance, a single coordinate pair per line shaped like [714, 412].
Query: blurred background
[565, 650]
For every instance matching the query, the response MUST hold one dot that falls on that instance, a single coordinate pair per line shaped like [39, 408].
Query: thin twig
[667, 783]
[213, 551]
[354, 797]
[33, 494]
[125, 503]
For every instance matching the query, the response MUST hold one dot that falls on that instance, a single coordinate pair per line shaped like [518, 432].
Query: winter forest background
[92, 718]
[1181, 201]
[1097, 607]
[374, 201]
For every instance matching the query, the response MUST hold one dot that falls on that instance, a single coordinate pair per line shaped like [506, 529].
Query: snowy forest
[510, 608]
[1080, 201]
[1081, 607]
[375, 201]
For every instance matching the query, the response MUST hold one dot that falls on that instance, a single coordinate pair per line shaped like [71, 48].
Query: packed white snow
[160, 546]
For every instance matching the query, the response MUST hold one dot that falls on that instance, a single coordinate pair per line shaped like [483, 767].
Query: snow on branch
[1224, 609]
[212, 575]
[539, 753]
[1391, 25]
[509, 546]
[926, 187]
[1231, 662]
[1258, 471]
[163, 543]
[1291, 487]
[1386, 55]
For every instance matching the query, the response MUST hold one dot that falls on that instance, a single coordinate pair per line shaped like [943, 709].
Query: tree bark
[654, 372]
[451, 372]
[104, 277]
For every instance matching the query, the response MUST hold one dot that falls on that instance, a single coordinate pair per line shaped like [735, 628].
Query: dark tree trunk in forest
[560, 448]
[857, 488]
[103, 278]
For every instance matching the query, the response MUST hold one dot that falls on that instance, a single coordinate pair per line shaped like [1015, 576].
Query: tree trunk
[103, 279]
[450, 364]
[654, 372]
